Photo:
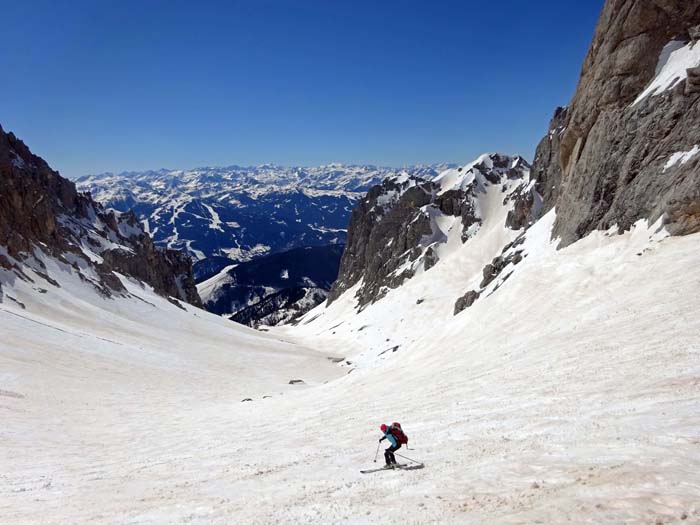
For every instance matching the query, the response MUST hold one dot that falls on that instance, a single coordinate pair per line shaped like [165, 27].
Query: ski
[413, 466]
[401, 466]
[392, 467]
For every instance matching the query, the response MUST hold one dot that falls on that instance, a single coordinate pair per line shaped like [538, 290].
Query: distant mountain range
[233, 214]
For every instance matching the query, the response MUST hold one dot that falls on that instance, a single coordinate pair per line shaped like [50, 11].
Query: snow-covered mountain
[232, 214]
[404, 226]
[416, 247]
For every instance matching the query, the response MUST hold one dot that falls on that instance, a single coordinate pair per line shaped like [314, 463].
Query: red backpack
[397, 432]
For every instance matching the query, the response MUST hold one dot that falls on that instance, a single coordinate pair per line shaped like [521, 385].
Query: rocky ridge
[43, 214]
[399, 228]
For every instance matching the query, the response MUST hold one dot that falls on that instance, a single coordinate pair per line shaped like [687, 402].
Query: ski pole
[377, 453]
[409, 459]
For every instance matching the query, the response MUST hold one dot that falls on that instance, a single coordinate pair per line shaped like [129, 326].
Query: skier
[394, 434]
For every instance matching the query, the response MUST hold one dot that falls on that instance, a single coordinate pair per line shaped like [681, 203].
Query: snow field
[568, 396]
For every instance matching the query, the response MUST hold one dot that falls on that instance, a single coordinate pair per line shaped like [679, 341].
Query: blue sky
[96, 86]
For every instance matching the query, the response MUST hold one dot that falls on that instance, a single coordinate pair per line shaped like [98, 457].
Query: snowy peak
[405, 224]
[490, 168]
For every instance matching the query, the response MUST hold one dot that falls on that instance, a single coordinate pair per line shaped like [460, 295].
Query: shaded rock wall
[39, 209]
[383, 229]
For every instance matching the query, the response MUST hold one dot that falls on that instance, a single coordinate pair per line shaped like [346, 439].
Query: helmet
[383, 428]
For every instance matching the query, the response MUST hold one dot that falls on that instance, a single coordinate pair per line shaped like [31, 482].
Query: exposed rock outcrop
[396, 231]
[41, 212]
[467, 300]
[692, 84]
[430, 258]
[618, 137]
[384, 229]
[532, 201]
[494, 274]
[492, 270]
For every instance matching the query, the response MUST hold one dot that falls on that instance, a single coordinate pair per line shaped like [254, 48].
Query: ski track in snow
[571, 395]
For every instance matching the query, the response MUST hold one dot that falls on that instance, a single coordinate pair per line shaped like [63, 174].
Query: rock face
[396, 230]
[533, 201]
[609, 157]
[382, 234]
[41, 212]
[467, 300]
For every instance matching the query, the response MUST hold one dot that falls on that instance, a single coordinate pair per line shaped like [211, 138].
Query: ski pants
[389, 454]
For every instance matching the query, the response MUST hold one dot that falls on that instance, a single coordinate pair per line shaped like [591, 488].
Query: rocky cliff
[42, 214]
[625, 147]
[403, 224]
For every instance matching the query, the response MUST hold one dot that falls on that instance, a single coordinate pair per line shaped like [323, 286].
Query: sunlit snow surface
[674, 61]
[681, 157]
[570, 395]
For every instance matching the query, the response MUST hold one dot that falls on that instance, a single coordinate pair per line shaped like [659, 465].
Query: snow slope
[87, 383]
[568, 396]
